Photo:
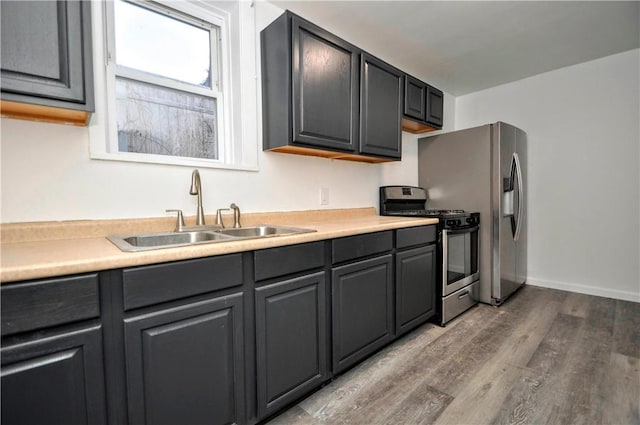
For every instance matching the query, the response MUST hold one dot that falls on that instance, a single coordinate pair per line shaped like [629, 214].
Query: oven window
[462, 256]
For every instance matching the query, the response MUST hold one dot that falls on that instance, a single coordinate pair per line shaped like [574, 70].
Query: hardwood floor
[544, 357]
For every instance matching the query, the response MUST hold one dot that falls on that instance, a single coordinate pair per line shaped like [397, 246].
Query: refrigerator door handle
[520, 183]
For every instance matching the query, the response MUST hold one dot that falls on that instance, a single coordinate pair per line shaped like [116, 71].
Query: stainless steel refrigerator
[484, 169]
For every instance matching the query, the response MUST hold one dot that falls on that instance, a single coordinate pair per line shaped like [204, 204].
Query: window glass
[161, 121]
[164, 91]
[159, 44]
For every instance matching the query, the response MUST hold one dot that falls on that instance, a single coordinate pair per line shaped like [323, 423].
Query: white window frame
[236, 98]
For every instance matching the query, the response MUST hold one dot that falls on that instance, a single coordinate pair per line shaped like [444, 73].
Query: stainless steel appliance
[484, 169]
[457, 250]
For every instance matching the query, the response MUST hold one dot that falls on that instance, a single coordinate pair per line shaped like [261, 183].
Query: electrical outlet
[324, 196]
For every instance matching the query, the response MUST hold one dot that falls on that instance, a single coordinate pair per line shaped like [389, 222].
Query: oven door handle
[465, 230]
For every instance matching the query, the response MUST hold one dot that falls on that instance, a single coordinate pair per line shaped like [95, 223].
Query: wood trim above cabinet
[31, 112]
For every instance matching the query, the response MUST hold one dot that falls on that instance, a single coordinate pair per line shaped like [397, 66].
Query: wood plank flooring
[544, 357]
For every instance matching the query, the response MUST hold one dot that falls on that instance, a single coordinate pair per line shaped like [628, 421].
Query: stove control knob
[451, 223]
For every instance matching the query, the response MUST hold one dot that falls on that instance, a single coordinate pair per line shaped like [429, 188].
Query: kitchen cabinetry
[415, 277]
[47, 71]
[185, 361]
[185, 364]
[313, 84]
[291, 325]
[380, 117]
[361, 297]
[423, 106]
[231, 338]
[52, 374]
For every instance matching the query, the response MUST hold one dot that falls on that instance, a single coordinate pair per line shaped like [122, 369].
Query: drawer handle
[465, 294]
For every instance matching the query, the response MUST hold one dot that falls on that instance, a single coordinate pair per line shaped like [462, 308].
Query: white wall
[582, 125]
[47, 175]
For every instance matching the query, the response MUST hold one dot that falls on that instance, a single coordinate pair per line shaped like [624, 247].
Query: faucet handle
[219, 216]
[179, 220]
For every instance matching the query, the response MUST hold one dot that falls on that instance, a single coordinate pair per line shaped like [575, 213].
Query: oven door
[459, 259]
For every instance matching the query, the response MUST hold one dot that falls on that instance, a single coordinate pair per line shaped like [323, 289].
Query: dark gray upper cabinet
[435, 105]
[423, 106]
[185, 364]
[415, 98]
[309, 87]
[322, 96]
[325, 91]
[46, 53]
[381, 103]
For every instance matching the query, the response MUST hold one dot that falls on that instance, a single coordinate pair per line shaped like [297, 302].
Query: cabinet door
[291, 338]
[185, 365]
[415, 98]
[325, 88]
[46, 52]
[415, 287]
[362, 301]
[54, 380]
[435, 106]
[381, 108]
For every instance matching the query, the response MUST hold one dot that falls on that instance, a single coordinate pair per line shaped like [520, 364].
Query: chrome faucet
[236, 215]
[196, 189]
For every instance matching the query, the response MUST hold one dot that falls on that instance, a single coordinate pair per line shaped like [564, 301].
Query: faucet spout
[236, 216]
[196, 189]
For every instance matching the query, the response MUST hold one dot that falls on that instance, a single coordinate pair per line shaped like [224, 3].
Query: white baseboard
[584, 289]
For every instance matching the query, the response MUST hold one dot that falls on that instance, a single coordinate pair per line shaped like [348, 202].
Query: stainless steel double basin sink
[149, 241]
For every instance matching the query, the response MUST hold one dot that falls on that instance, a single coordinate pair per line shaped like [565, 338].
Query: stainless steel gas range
[458, 275]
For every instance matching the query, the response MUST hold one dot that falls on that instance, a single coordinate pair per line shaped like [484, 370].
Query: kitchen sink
[149, 241]
[262, 231]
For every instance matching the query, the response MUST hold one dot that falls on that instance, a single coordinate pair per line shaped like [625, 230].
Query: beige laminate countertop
[38, 250]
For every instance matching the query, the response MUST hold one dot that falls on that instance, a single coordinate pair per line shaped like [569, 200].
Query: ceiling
[465, 46]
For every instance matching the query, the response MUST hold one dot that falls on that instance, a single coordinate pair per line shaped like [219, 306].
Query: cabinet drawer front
[359, 246]
[158, 283]
[34, 305]
[415, 236]
[285, 260]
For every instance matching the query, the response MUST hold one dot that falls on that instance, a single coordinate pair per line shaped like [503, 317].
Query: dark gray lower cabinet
[57, 379]
[291, 340]
[362, 305]
[185, 364]
[415, 290]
